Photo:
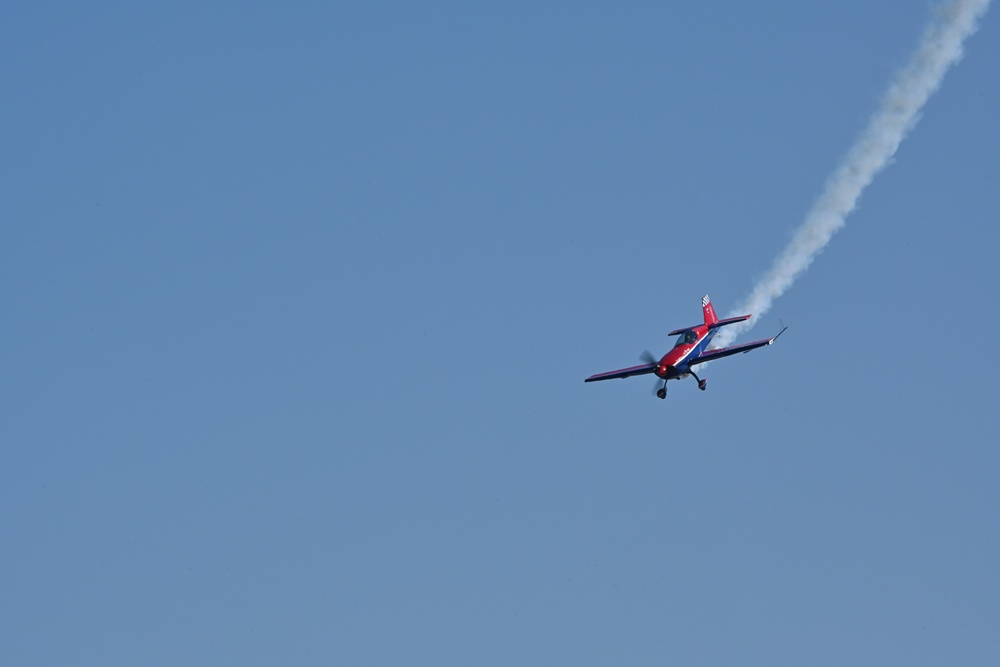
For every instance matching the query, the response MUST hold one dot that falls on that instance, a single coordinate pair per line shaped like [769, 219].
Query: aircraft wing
[623, 373]
[733, 349]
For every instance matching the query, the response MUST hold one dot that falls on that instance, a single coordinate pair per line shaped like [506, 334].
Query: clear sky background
[298, 301]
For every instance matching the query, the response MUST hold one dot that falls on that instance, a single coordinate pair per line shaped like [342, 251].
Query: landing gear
[662, 391]
[702, 384]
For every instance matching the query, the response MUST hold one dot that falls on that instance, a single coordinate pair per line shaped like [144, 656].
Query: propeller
[647, 358]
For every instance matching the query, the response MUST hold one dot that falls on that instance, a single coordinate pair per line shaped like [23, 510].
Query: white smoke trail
[898, 113]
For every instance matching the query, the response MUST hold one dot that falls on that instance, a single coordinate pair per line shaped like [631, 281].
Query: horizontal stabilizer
[684, 330]
[729, 320]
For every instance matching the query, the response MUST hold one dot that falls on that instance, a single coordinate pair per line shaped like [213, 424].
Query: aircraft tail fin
[706, 307]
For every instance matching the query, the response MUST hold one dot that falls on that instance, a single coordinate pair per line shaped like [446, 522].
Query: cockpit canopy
[689, 337]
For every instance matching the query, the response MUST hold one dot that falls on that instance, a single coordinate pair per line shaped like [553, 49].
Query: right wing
[727, 351]
[623, 373]
[734, 349]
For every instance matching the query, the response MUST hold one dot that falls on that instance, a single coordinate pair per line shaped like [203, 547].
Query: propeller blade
[648, 358]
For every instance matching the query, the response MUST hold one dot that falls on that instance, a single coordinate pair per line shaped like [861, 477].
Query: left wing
[623, 373]
[733, 349]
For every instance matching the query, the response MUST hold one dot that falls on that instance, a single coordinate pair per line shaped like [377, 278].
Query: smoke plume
[898, 112]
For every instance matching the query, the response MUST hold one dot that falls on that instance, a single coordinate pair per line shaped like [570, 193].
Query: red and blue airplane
[690, 350]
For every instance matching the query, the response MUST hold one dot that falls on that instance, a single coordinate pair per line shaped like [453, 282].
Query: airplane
[690, 350]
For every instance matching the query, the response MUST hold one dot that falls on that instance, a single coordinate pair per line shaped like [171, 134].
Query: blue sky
[298, 302]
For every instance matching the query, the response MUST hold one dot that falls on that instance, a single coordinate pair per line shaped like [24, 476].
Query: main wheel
[661, 392]
[702, 384]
